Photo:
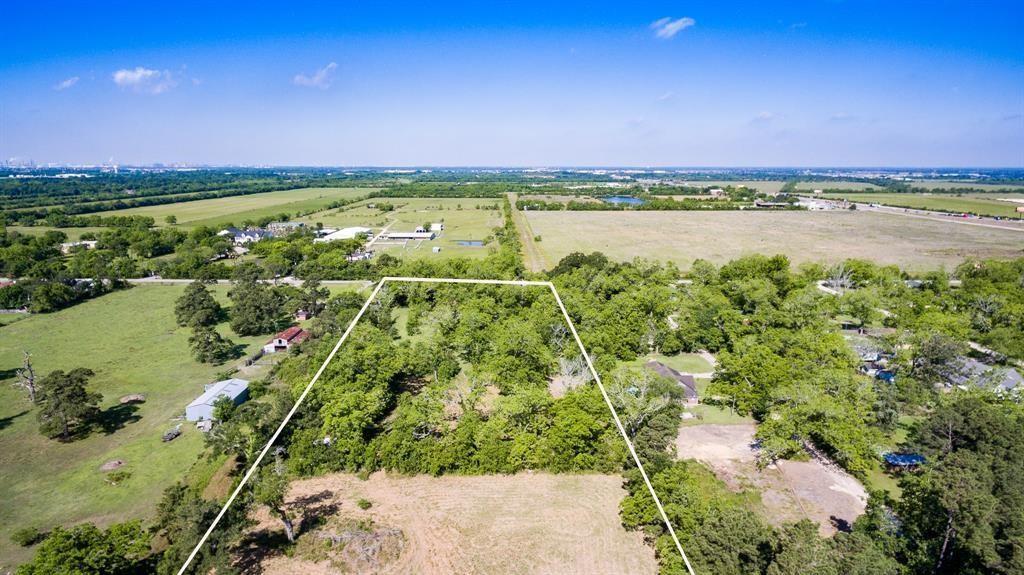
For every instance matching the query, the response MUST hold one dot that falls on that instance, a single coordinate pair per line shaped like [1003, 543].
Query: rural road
[1012, 225]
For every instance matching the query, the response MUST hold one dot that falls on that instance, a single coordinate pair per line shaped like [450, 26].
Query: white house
[344, 234]
[68, 247]
[437, 227]
[242, 237]
[201, 407]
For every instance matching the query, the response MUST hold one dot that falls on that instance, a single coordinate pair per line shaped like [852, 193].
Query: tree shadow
[6, 422]
[840, 524]
[257, 546]
[315, 509]
[117, 417]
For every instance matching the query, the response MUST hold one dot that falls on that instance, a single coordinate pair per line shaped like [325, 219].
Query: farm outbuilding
[286, 339]
[201, 408]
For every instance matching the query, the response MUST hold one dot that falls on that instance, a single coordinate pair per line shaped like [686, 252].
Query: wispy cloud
[144, 80]
[841, 117]
[319, 79]
[666, 96]
[667, 27]
[764, 117]
[65, 84]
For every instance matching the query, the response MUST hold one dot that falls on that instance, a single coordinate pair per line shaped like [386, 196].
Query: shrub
[27, 536]
[364, 504]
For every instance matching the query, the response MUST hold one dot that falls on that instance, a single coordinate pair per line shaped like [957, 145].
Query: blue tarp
[903, 459]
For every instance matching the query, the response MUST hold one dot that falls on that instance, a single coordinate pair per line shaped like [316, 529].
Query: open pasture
[837, 185]
[464, 219]
[804, 236]
[236, 209]
[989, 204]
[129, 338]
[525, 523]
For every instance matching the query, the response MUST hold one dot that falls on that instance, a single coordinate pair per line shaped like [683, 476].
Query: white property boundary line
[344, 336]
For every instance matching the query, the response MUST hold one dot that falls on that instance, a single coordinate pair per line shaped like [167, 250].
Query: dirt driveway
[790, 490]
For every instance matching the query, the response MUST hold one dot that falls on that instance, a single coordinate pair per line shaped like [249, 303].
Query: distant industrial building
[419, 234]
[201, 408]
[284, 228]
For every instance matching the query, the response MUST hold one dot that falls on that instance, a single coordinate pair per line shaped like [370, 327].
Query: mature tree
[257, 308]
[65, 405]
[313, 297]
[637, 397]
[208, 346]
[86, 550]
[938, 359]
[197, 306]
[171, 219]
[27, 377]
[963, 513]
[270, 490]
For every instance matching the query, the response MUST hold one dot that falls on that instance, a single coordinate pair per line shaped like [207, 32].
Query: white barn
[344, 234]
[201, 408]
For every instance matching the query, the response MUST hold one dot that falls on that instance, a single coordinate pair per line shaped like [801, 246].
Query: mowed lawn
[130, 340]
[987, 204]
[234, 209]
[464, 219]
[804, 236]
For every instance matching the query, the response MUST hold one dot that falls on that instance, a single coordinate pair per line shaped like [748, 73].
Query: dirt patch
[112, 465]
[526, 523]
[790, 490]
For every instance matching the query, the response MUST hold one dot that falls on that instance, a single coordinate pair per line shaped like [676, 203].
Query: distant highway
[984, 221]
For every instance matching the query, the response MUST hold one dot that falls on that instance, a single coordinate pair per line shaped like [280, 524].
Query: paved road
[985, 222]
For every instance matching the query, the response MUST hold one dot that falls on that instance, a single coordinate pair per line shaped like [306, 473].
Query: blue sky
[804, 83]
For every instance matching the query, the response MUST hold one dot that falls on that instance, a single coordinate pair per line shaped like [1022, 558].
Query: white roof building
[344, 234]
[201, 407]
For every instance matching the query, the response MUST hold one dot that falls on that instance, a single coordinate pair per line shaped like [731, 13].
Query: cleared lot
[526, 523]
[790, 490]
[828, 236]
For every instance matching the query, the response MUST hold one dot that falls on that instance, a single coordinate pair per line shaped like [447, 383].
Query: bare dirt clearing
[526, 523]
[790, 490]
[823, 236]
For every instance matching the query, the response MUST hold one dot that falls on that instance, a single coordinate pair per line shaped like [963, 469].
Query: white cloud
[843, 117]
[764, 117]
[320, 79]
[64, 85]
[666, 96]
[144, 80]
[666, 27]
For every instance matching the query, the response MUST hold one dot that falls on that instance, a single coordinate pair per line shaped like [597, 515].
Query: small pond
[628, 200]
[470, 243]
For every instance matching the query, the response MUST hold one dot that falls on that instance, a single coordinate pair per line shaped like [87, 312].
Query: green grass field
[73, 234]
[221, 211]
[985, 204]
[804, 236]
[807, 186]
[130, 340]
[461, 217]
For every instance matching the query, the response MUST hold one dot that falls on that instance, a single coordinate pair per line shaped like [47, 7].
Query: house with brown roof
[286, 339]
[684, 380]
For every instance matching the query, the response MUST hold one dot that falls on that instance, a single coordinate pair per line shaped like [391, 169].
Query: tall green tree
[197, 307]
[121, 549]
[208, 346]
[65, 405]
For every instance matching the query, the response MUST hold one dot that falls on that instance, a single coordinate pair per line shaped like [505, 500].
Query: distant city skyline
[807, 84]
